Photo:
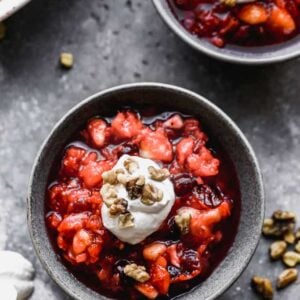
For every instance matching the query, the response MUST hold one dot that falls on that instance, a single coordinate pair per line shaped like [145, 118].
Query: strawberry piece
[161, 261]
[53, 219]
[73, 222]
[81, 241]
[153, 251]
[160, 278]
[175, 122]
[126, 125]
[72, 160]
[185, 277]
[183, 149]
[147, 290]
[172, 252]
[280, 21]
[253, 14]
[98, 131]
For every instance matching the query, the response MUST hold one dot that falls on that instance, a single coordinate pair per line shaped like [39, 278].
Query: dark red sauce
[204, 180]
[256, 23]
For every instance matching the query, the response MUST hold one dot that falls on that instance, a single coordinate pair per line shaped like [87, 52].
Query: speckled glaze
[219, 125]
[231, 53]
[9, 7]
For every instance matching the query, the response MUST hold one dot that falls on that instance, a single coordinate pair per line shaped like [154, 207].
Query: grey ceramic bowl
[169, 98]
[231, 53]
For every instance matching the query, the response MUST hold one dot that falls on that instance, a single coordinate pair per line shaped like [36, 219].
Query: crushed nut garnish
[66, 60]
[118, 207]
[263, 286]
[183, 222]
[277, 249]
[291, 258]
[158, 174]
[2, 31]
[122, 178]
[109, 194]
[287, 277]
[297, 247]
[135, 186]
[136, 272]
[126, 220]
[130, 165]
[111, 176]
[280, 215]
[289, 237]
[151, 194]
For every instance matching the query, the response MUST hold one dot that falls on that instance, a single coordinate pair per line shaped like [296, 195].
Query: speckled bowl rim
[258, 177]
[218, 53]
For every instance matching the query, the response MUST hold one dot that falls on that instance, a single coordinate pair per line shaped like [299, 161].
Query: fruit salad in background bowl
[9, 7]
[136, 195]
[239, 31]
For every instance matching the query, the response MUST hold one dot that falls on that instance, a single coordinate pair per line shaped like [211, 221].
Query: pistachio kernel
[158, 174]
[66, 60]
[130, 165]
[136, 272]
[263, 286]
[289, 237]
[291, 258]
[287, 277]
[118, 207]
[297, 247]
[126, 220]
[277, 249]
[280, 215]
[183, 222]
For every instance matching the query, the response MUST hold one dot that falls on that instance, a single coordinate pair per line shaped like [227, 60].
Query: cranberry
[183, 184]
[129, 148]
[190, 260]
[173, 271]
[209, 196]
[174, 232]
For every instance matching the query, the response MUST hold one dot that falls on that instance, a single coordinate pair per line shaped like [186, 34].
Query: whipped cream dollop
[16, 276]
[140, 216]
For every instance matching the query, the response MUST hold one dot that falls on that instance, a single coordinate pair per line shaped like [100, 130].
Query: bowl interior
[170, 98]
[231, 53]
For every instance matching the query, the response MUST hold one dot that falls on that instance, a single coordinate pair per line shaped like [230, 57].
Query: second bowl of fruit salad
[238, 31]
[145, 191]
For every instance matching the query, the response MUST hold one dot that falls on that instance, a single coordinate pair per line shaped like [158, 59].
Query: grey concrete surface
[119, 41]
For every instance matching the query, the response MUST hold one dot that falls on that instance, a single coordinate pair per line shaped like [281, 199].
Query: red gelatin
[247, 24]
[205, 185]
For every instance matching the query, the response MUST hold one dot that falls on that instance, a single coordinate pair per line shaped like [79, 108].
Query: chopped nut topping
[291, 258]
[2, 31]
[151, 194]
[286, 277]
[183, 222]
[126, 220]
[122, 178]
[135, 186]
[297, 234]
[130, 165]
[111, 176]
[289, 237]
[109, 194]
[297, 247]
[158, 174]
[230, 3]
[263, 286]
[271, 228]
[277, 249]
[280, 215]
[118, 207]
[136, 272]
[66, 60]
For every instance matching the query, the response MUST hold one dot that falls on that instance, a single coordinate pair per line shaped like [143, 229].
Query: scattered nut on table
[287, 277]
[263, 286]
[277, 249]
[276, 229]
[280, 215]
[291, 258]
[66, 60]
[297, 247]
[289, 237]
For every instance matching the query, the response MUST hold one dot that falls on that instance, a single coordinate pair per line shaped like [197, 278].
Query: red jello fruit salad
[142, 205]
[239, 22]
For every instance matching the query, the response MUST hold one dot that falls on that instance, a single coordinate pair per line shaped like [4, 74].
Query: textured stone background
[119, 41]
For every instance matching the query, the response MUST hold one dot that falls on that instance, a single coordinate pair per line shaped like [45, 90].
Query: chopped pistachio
[130, 165]
[287, 277]
[158, 174]
[280, 215]
[111, 176]
[183, 222]
[151, 194]
[297, 247]
[136, 272]
[291, 258]
[118, 207]
[2, 31]
[289, 237]
[66, 60]
[135, 186]
[277, 249]
[126, 220]
[263, 286]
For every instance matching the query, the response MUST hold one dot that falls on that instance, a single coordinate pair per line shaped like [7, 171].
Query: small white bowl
[8, 7]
